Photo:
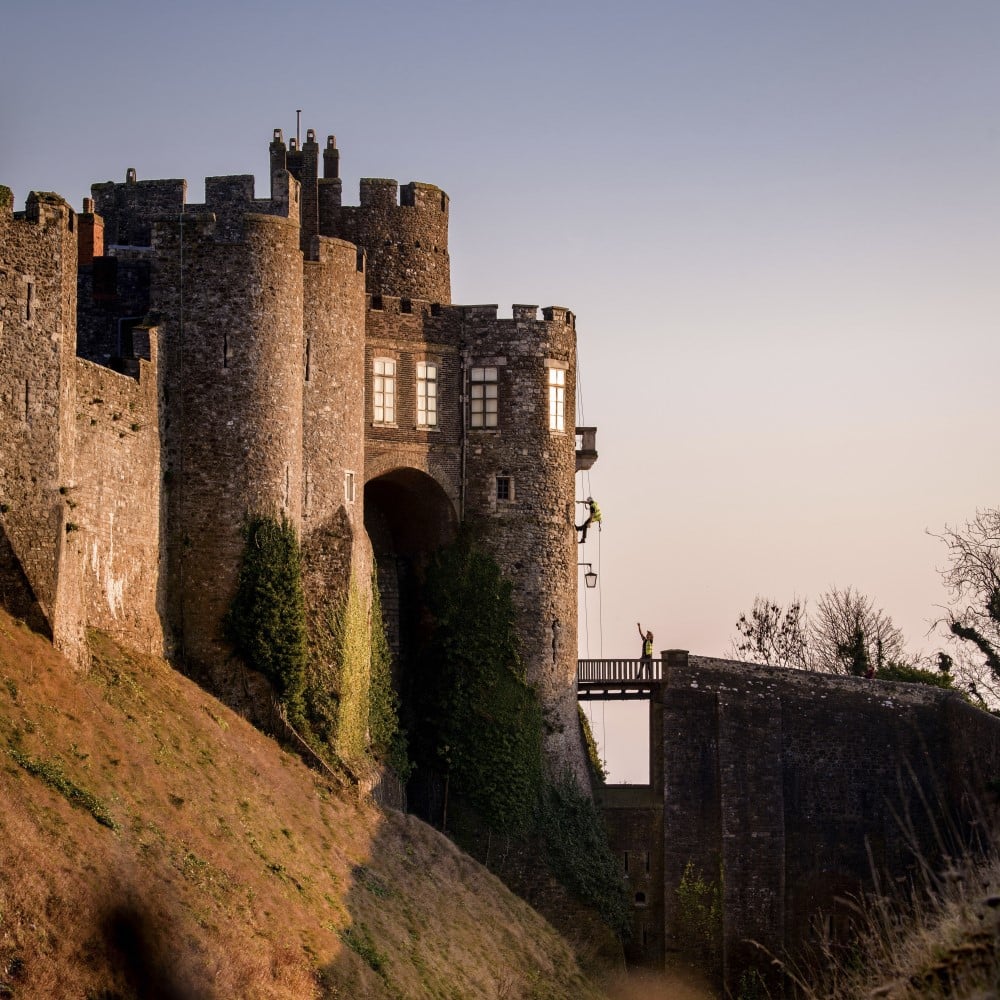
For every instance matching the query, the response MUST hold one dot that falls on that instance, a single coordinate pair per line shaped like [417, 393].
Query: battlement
[396, 305]
[44, 208]
[129, 209]
[520, 314]
[384, 193]
[559, 314]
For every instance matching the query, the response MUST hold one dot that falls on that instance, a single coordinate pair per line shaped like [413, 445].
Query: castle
[169, 369]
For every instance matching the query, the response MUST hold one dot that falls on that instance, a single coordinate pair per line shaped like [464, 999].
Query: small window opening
[640, 899]
[225, 350]
[376, 302]
[647, 862]
[29, 300]
[27, 400]
[626, 862]
[288, 487]
[349, 486]
[504, 488]
[405, 306]
[308, 357]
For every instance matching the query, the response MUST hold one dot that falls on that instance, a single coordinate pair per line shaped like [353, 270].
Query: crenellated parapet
[128, 209]
[404, 233]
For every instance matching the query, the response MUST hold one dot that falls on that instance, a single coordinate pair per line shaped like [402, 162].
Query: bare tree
[846, 634]
[973, 580]
[849, 632]
[774, 635]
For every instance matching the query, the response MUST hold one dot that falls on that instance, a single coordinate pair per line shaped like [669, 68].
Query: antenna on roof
[298, 123]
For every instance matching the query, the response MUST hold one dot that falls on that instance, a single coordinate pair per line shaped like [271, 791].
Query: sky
[778, 223]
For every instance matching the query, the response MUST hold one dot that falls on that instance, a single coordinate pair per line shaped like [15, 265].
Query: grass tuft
[52, 774]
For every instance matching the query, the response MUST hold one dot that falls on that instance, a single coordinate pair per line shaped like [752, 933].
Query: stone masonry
[168, 369]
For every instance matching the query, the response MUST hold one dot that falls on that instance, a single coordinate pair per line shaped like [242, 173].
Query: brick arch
[412, 507]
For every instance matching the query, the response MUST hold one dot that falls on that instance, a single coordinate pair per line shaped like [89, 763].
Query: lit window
[349, 487]
[427, 412]
[384, 391]
[484, 397]
[505, 488]
[557, 399]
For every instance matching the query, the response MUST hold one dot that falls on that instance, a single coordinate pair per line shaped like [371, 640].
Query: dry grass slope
[153, 844]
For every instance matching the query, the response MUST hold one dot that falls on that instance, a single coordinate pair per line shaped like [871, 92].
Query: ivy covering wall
[331, 669]
[478, 722]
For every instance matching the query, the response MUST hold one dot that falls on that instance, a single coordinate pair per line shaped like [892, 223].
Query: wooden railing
[618, 671]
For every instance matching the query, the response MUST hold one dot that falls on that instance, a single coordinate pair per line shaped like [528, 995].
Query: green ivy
[267, 619]
[699, 917]
[578, 854]
[388, 740]
[475, 718]
[598, 772]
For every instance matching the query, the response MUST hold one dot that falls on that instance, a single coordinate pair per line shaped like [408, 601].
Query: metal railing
[618, 671]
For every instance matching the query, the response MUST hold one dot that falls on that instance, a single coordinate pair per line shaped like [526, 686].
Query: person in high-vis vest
[646, 660]
[593, 517]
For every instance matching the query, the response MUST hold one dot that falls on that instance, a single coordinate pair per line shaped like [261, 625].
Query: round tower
[406, 242]
[234, 381]
[520, 481]
[333, 537]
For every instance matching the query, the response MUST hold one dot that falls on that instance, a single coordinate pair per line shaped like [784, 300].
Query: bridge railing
[609, 671]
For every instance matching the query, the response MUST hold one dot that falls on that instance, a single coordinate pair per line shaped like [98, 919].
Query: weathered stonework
[785, 788]
[226, 368]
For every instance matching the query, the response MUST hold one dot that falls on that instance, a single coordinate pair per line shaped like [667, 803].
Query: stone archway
[408, 516]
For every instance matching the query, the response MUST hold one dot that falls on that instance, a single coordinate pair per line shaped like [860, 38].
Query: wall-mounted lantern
[590, 577]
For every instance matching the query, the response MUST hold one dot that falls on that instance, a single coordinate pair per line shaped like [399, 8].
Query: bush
[913, 675]
[267, 619]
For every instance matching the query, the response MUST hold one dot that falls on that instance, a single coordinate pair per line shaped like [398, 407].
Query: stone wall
[787, 787]
[129, 209]
[114, 502]
[38, 253]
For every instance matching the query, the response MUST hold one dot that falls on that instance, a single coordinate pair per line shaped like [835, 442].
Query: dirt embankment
[153, 844]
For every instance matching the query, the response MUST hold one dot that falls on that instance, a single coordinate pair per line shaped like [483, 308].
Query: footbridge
[617, 680]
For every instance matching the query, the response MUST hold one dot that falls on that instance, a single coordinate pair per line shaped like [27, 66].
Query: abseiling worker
[593, 517]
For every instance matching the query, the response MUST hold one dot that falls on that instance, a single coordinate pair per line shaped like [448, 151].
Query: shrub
[267, 619]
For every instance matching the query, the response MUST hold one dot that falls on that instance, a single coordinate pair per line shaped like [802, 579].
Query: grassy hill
[154, 844]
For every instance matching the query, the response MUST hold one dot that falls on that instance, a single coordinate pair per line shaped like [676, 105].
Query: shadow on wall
[16, 595]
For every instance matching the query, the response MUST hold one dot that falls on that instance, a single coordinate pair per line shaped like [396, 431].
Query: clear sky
[778, 222]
